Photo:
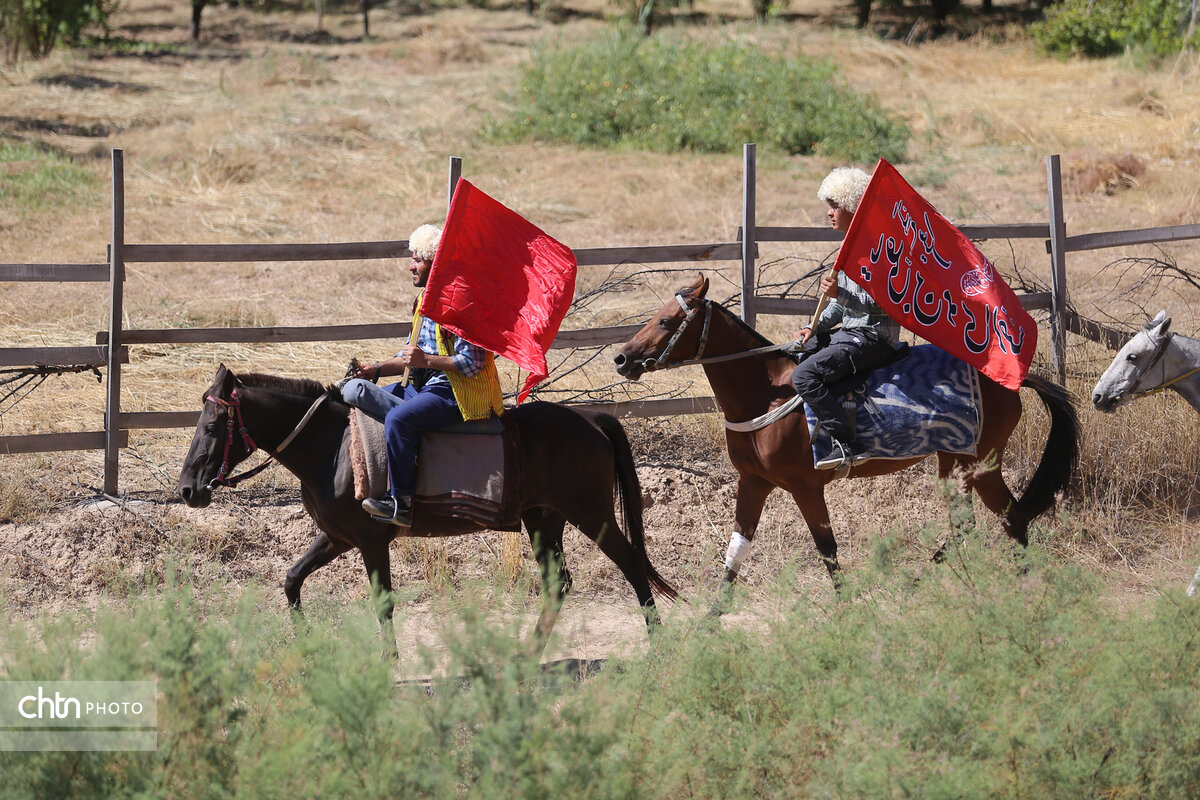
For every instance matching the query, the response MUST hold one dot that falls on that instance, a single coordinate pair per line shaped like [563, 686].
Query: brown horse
[779, 455]
[571, 464]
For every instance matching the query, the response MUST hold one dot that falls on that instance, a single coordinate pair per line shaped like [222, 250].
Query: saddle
[929, 402]
[467, 471]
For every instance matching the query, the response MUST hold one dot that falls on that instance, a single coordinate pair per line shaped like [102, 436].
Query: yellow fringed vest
[478, 397]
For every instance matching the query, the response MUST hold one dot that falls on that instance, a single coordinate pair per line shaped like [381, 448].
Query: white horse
[1153, 360]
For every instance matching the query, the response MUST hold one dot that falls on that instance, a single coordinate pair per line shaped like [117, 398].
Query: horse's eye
[1131, 357]
[665, 324]
[210, 427]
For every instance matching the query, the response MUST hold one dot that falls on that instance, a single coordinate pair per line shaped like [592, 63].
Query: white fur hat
[845, 187]
[423, 241]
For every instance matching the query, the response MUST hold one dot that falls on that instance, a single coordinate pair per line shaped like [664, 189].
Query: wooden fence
[112, 346]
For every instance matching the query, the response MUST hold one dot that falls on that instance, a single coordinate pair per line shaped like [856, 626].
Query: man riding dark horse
[451, 381]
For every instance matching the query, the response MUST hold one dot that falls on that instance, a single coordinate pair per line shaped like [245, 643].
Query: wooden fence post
[455, 173]
[1058, 270]
[749, 246]
[116, 277]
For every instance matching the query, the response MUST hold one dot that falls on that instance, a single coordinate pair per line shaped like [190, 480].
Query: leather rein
[1159, 351]
[233, 408]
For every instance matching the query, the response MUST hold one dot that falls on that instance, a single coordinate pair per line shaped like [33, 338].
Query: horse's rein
[660, 363]
[1158, 354]
[235, 404]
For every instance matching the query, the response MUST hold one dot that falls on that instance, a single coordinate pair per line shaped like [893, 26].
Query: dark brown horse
[571, 464]
[779, 455]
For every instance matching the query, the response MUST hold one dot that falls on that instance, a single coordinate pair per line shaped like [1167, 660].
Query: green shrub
[33, 179]
[624, 90]
[999, 673]
[1099, 28]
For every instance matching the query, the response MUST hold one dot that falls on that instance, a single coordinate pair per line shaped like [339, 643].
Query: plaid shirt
[854, 308]
[467, 357]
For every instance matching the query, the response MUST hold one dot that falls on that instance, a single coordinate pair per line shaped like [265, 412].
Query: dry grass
[260, 134]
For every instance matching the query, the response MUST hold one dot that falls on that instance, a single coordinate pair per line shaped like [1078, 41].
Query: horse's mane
[741, 323]
[301, 386]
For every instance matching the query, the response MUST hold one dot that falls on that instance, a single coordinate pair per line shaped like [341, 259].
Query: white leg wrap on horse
[739, 548]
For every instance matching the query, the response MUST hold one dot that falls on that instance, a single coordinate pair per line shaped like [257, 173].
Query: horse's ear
[1159, 325]
[225, 380]
[699, 288]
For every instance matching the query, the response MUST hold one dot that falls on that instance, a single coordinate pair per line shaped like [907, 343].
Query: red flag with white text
[928, 276]
[499, 281]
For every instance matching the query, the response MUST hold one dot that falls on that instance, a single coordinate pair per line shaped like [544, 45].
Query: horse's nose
[195, 498]
[631, 368]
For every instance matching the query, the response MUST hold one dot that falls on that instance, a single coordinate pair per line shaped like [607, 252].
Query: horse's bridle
[660, 362]
[233, 408]
[689, 314]
[1159, 350]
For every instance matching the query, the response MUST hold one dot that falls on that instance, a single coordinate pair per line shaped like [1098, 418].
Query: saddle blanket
[463, 471]
[926, 403]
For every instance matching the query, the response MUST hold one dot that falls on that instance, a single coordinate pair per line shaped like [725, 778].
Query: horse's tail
[630, 490]
[1062, 448]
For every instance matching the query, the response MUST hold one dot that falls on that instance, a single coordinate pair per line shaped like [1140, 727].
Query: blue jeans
[406, 413]
[375, 401]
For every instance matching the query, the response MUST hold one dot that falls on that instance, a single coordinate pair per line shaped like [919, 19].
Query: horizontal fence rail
[57, 356]
[240, 253]
[56, 273]
[57, 442]
[1099, 241]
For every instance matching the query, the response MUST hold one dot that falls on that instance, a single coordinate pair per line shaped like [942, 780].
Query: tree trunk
[194, 28]
[941, 10]
[864, 12]
[366, 7]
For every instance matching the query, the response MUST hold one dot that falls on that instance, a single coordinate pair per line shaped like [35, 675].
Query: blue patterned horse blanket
[925, 403]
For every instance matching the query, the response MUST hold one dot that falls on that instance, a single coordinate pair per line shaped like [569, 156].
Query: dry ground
[270, 131]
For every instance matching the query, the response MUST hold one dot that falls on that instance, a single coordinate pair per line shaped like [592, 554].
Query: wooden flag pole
[821, 299]
[416, 332]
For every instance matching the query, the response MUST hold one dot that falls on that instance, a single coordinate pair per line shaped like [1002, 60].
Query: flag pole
[821, 298]
[455, 173]
[416, 331]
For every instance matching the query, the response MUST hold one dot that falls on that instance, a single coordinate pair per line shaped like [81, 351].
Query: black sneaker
[387, 509]
[843, 454]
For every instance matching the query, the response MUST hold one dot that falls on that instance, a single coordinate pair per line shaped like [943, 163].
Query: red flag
[499, 282]
[928, 276]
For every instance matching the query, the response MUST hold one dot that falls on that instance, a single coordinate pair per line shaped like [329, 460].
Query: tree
[197, 10]
[36, 27]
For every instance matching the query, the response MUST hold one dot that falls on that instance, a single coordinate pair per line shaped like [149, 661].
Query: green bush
[999, 673]
[1100, 28]
[667, 96]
